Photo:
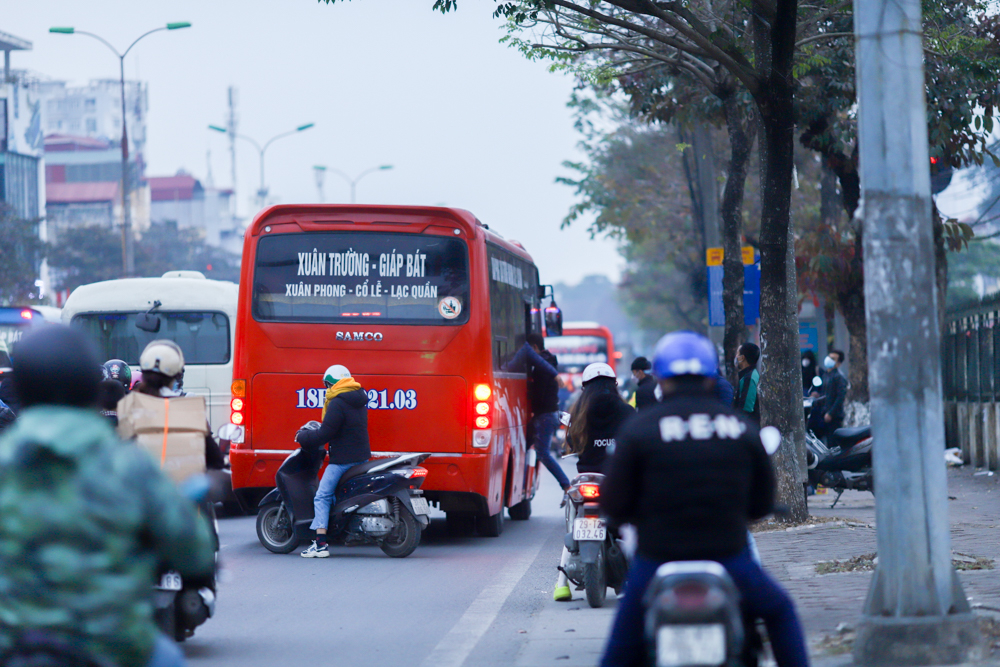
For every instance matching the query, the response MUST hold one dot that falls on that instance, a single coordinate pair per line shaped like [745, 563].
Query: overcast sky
[465, 121]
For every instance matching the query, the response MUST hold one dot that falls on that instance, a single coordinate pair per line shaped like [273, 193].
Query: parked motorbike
[179, 605]
[845, 462]
[378, 502]
[693, 614]
[596, 558]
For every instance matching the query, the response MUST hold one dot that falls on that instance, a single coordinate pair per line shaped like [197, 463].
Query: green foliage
[19, 258]
[83, 255]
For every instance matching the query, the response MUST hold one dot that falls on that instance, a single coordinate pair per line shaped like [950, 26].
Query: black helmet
[119, 371]
[56, 365]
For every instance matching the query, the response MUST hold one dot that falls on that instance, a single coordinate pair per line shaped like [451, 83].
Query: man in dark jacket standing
[835, 394]
[746, 401]
[645, 391]
[345, 432]
[690, 474]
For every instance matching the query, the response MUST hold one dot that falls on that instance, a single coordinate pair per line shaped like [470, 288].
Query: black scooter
[845, 462]
[378, 502]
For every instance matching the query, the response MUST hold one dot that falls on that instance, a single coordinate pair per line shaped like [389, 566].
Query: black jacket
[645, 393]
[344, 429]
[543, 390]
[835, 391]
[604, 417]
[690, 474]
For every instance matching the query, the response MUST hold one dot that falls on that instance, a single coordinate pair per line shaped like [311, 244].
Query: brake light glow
[482, 422]
[420, 472]
[691, 595]
[482, 408]
[27, 314]
[482, 392]
[590, 491]
[238, 403]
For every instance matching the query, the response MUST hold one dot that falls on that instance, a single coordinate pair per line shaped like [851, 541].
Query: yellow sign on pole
[714, 256]
[748, 255]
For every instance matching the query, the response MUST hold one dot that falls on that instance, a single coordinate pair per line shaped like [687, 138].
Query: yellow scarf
[342, 386]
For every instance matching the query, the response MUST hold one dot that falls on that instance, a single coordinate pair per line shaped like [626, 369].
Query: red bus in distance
[582, 344]
[425, 306]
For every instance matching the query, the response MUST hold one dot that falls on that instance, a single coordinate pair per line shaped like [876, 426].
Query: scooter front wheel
[404, 538]
[275, 530]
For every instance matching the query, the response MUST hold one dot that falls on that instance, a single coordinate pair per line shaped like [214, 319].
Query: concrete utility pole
[232, 128]
[916, 612]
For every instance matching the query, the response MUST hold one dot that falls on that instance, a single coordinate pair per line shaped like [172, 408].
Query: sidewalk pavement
[564, 634]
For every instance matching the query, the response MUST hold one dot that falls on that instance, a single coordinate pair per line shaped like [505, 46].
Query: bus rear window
[339, 277]
[203, 336]
[576, 352]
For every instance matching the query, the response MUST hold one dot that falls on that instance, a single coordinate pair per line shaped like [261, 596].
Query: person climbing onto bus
[344, 430]
[543, 399]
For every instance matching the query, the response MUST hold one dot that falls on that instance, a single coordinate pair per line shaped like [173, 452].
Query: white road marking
[455, 647]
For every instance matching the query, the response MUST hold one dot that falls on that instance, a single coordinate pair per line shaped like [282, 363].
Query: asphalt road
[454, 601]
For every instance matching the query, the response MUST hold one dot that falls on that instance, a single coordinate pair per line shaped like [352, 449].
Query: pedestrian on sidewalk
[691, 474]
[830, 417]
[645, 391]
[747, 356]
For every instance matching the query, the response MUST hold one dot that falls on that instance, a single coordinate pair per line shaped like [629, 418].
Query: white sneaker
[315, 551]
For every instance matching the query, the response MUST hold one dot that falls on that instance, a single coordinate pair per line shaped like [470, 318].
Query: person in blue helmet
[691, 474]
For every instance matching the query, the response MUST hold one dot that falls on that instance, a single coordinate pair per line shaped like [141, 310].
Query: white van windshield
[202, 335]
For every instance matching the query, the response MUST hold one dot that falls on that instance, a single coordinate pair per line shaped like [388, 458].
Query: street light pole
[354, 181]
[128, 241]
[319, 171]
[916, 612]
[261, 150]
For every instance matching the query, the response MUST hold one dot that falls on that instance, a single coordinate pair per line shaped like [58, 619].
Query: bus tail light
[481, 439]
[238, 403]
[482, 407]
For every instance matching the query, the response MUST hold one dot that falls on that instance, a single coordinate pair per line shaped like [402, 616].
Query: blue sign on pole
[716, 313]
[751, 294]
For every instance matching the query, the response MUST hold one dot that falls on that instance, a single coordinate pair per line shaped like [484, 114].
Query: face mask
[829, 363]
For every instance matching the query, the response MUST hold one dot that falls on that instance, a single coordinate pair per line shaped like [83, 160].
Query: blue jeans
[762, 597]
[166, 653]
[325, 494]
[540, 432]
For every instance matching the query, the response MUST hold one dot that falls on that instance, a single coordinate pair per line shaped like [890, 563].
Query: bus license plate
[589, 529]
[171, 581]
[420, 505]
[690, 645]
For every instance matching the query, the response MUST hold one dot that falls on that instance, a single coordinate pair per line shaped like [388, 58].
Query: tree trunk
[852, 306]
[742, 133]
[781, 379]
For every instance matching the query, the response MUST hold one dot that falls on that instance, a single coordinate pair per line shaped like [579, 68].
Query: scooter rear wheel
[404, 538]
[595, 580]
[275, 530]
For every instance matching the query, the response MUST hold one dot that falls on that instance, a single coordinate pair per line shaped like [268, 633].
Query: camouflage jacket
[85, 524]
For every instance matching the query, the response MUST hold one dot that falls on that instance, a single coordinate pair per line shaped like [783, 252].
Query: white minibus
[123, 316]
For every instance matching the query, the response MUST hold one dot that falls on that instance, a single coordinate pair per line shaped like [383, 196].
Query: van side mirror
[553, 320]
[147, 322]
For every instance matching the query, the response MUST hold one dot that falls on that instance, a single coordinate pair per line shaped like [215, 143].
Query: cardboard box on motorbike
[172, 430]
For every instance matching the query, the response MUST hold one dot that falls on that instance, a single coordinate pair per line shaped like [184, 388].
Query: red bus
[425, 306]
[581, 344]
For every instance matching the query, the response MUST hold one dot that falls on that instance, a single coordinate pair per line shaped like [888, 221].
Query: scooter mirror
[771, 438]
[817, 382]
